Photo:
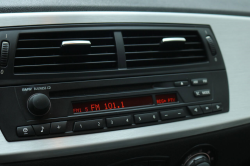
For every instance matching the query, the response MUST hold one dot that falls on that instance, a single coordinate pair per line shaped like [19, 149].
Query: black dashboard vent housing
[42, 52]
[143, 48]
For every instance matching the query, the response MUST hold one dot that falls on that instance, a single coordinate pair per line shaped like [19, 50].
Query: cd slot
[101, 90]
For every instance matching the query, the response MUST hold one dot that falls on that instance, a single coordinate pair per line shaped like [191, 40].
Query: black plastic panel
[9, 78]
[15, 113]
[63, 89]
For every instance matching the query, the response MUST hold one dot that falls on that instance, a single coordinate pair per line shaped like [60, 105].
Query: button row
[42, 129]
[197, 81]
[127, 120]
[60, 127]
[207, 108]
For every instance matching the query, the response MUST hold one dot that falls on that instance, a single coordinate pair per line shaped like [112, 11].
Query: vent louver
[143, 48]
[42, 52]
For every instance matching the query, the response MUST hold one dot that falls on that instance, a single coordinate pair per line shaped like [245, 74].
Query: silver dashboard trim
[76, 42]
[232, 33]
[173, 39]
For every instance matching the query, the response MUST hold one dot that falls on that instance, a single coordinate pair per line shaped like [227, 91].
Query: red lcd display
[111, 104]
[166, 98]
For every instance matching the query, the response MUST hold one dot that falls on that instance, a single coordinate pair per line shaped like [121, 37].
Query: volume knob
[39, 104]
[198, 160]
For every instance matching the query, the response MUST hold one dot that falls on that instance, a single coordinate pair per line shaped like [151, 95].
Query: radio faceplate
[197, 94]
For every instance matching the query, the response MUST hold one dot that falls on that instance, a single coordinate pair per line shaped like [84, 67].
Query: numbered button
[119, 121]
[145, 118]
[88, 125]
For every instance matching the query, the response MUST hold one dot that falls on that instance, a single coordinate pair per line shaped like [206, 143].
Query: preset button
[119, 121]
[148, 117]
[88, 125]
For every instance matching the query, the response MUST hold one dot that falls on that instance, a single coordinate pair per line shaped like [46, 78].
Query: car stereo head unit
[83, 107]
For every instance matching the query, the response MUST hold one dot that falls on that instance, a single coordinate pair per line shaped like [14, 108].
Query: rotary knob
[39, 104]
[198, 160]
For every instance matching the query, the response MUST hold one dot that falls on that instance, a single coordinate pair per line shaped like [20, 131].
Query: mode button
[199, 93]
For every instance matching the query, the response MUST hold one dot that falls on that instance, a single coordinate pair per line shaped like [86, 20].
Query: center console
[72, 80]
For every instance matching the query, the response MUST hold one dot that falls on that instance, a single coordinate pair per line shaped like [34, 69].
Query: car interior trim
[227, 30]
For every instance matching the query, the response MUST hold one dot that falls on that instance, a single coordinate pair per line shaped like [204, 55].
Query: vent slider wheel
[4, 53]
[75, 46]
[173, 43]
[211, 45]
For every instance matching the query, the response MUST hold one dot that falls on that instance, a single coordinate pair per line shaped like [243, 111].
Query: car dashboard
[146, 88]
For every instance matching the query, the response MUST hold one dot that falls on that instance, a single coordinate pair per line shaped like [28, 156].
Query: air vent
[144, 48]
[43, 52]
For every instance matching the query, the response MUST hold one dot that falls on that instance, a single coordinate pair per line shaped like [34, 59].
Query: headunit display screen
[165, 98]
[121, 103]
